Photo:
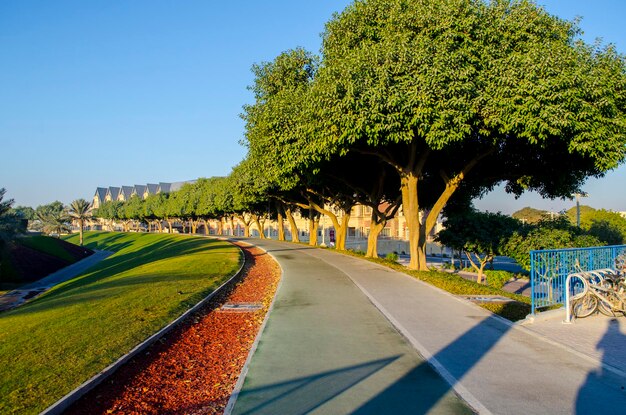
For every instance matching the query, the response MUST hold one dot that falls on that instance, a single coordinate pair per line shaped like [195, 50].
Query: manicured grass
[48, 245]
[53, 344]
[457, 285]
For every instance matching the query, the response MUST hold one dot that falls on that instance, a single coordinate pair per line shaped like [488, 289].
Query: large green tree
[456, 91]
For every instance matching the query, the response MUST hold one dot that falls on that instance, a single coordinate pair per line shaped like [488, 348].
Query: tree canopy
[459, 91]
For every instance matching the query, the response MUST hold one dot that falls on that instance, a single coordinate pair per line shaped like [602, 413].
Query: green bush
[447, 265]
[497, 279]
[391, 256]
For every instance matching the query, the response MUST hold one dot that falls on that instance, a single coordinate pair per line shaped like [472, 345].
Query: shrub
[497, 279]
[391, 256]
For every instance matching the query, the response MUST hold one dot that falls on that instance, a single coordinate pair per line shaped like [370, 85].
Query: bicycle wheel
[585, 306]
[605, 306]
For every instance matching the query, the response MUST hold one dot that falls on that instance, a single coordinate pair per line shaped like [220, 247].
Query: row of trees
[427, 105]
[219, 199]
[419, 105]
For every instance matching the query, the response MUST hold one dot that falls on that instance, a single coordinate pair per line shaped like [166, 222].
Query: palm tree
[54, 222]
[9, 222]
[80, 210]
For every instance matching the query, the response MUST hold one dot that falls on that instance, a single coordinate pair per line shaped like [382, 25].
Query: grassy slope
[50, 346]
[10, 272]
[48, 245]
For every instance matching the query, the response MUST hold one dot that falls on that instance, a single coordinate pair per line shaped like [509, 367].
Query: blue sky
[105, 93]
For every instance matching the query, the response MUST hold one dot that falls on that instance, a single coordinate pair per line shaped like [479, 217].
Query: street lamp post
[578, 196]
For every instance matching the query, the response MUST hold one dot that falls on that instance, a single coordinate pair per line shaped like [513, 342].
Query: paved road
[327, 349]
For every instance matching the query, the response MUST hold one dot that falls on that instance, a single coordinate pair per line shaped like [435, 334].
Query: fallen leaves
[194, 369]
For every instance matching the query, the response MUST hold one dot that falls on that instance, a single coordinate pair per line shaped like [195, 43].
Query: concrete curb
[244, 371]
[62, 404]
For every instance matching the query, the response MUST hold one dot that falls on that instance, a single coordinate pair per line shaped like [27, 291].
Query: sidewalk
[320, 324]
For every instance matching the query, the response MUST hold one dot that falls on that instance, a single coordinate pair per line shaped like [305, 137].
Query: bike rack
[597, 273]
[568, 308]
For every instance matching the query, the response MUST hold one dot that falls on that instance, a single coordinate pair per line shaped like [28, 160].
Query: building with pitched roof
[151, 189]
[112, 194]
[98, 197]
[139, 190]
[125, 193]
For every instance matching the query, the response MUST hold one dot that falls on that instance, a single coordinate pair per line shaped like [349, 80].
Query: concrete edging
[65, 402]
[244, 370]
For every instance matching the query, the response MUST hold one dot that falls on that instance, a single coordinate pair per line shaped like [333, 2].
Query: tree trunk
[281, 224]
[259, 226]
[295, 237]
[169, 224]
[376, 228]
[220, 227]
[232, 226]
[410, 208]
[342, 232]
[314, 222]
[341, 229]
[480, 267]
[246, 224]
[81, 223]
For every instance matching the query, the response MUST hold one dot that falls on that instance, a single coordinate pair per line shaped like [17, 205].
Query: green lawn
[49, 246]
[53, 344]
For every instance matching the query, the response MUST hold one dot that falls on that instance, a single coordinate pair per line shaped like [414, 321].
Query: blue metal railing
[549, 269]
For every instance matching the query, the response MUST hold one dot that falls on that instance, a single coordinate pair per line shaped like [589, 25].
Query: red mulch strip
[194, 369]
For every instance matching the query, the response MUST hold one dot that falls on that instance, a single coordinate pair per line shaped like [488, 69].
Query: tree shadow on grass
[94, 283]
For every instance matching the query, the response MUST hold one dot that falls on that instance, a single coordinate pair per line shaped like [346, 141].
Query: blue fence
[549, 268]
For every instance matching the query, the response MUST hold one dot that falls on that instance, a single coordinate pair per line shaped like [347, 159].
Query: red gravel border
[192, 370]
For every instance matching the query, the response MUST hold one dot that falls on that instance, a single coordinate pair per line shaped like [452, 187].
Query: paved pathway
[326, 349]
[18, 297]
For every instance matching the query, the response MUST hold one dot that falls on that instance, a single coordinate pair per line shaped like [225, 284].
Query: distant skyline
[123, 93]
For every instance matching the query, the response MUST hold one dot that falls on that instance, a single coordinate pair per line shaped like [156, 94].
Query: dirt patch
[194, 369]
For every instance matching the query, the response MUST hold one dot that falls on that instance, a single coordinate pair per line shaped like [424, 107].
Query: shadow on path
[302, 395]
[602, 386]
[421, 390]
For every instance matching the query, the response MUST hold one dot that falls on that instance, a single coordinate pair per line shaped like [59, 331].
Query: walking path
[18, 297]
[328, 350]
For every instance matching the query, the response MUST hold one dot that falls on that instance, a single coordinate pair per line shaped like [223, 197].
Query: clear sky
[110, 93]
